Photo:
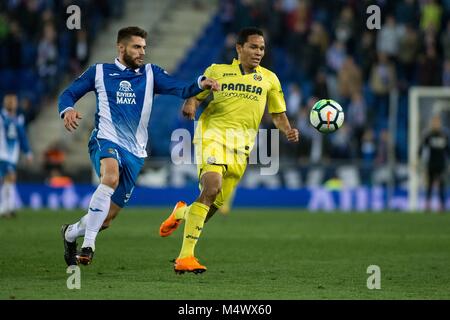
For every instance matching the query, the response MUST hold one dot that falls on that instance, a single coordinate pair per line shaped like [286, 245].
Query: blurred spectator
[406, 12]
[311, 57]
[28, 15]
[335, 56]
[47, 58]
[320, 87]
[388, 37]
[275, 22]
[357, 117]
[345, 28]
[298, 15]
[431, 15]
[319, 37]
[429, 71]
[79, 55]
[340, 146]
[54, 157]
[227, 12]
[294, 100]
[57, 179]
[408, 50]
[28, 109]
[367, 53]
[368, 147]
[382, 80]
[383, 147]
[349, 79]
[307, 132]
[295, 44]
[368, 153]
[13, 47]
[229, 51]
[3, 27]
[445, 41]
[446, 74]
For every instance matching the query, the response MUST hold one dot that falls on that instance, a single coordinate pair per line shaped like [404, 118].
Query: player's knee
[111, 180]
[211, 193]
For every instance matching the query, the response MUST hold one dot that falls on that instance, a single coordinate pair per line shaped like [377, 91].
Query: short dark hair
[128, 32]
[243, 35]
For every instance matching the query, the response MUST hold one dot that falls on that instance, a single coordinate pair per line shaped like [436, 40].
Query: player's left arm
[277, 109]
[190, 107]
[167, 84]
[281, 121]
[24, 144]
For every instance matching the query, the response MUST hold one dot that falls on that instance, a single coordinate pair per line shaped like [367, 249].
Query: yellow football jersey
[234, 113]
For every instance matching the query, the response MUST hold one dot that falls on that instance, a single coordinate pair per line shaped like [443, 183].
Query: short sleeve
[275, 97]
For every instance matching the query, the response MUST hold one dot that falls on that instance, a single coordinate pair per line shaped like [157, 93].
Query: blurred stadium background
[318, 49]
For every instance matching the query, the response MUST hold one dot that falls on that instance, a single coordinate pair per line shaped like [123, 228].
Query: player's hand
[71, 118]
[210, 84]
[292, 135]
[29, 158]
[189, 110]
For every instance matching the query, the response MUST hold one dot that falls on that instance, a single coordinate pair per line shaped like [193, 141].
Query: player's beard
[130, 62]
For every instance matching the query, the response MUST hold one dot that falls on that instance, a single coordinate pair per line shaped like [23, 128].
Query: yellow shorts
[215, 157]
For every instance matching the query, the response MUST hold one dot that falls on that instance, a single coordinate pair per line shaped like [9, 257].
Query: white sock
[8, 199]
[98, 211]
[76, 230]
[11, 196]
[2, 202]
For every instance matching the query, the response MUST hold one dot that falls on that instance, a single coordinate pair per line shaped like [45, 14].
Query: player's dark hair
[125, 34]
[243, 35]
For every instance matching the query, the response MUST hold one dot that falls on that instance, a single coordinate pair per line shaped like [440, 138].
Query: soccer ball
[326, 116]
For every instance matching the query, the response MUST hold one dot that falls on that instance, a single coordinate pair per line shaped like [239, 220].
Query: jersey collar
[238, 63]
[123, 67]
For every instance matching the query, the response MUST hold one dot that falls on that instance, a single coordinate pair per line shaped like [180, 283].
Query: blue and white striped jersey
[13, 137]
[124, 100]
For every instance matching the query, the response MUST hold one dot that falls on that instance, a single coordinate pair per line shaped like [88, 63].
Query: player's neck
[125, 64]
[247, 69]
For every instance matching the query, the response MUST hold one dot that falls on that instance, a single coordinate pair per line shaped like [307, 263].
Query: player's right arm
[66, 102]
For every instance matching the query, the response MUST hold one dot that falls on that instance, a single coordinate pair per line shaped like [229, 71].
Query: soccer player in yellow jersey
[225, 135]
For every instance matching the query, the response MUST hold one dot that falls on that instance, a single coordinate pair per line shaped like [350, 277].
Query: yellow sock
[180, 213]
[195, 218]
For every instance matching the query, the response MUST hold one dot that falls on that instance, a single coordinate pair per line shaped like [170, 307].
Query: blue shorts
[129, 167]
[6, 167]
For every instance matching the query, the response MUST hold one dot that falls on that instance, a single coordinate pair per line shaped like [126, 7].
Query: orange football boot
[171, 224]
[188, 264]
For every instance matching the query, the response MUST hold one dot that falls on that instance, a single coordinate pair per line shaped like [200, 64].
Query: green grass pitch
[250, 254]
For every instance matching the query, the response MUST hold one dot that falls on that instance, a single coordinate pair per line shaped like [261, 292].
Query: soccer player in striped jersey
[225, 135]
[124, 94]
[13, 139]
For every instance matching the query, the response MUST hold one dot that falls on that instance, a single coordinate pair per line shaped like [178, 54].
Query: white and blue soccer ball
[326, 116]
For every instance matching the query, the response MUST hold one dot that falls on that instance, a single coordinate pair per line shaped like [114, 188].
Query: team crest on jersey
[111, 150]
[125, 95]
[125, 86]
[257, 77]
